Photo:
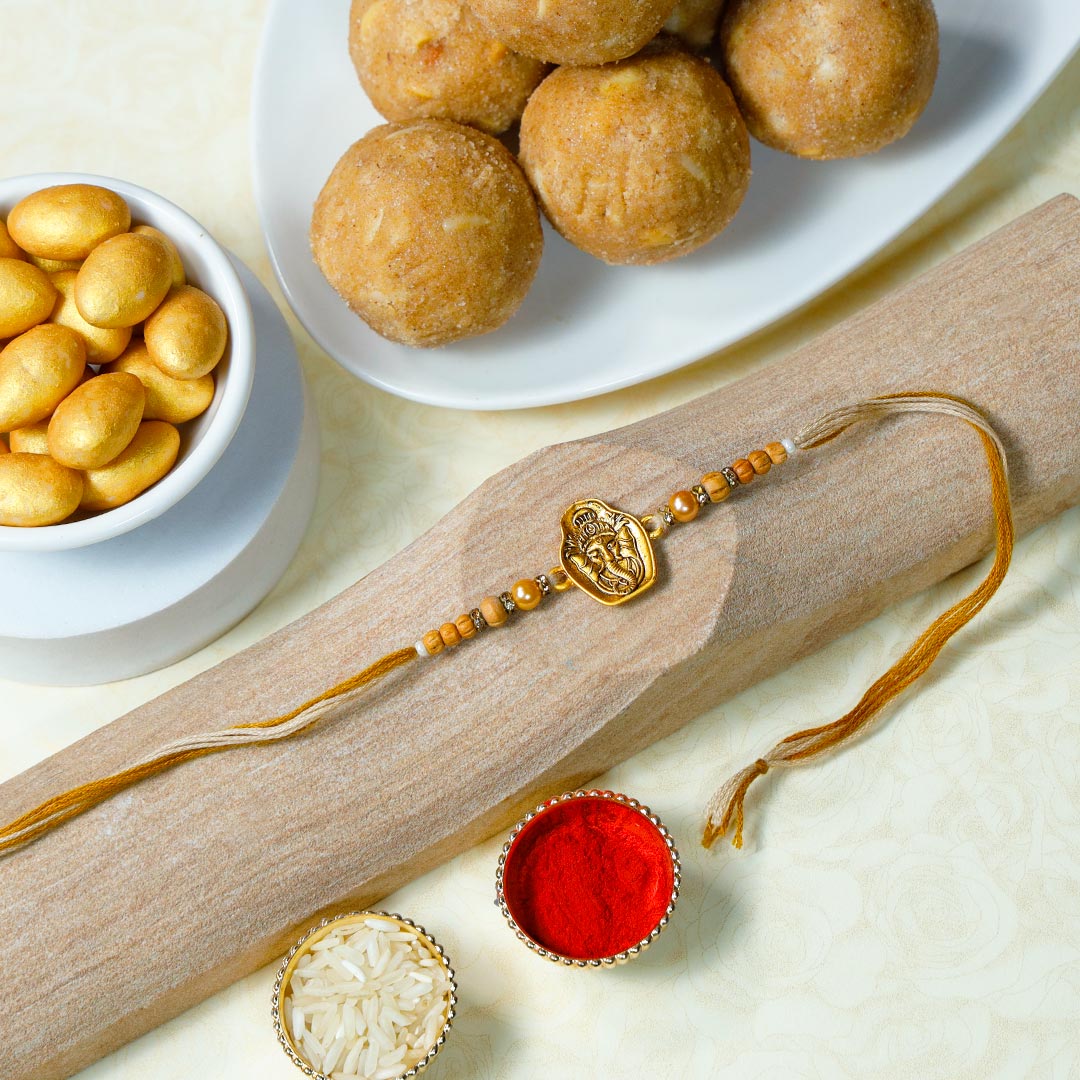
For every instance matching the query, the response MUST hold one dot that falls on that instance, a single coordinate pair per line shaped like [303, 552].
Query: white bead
[788, 445]
[421, 650]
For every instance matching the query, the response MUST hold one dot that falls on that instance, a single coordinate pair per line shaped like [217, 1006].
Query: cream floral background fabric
[910, 909]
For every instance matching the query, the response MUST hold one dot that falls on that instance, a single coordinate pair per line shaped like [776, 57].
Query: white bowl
[204, 439]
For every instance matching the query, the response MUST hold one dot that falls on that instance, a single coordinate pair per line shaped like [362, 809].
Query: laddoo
[432, 58]
[830, 78]
[694, 21]
[640, 161]
[429, 231]
[574, 31]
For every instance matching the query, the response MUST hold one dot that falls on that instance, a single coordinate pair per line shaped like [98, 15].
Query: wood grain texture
[167, 893]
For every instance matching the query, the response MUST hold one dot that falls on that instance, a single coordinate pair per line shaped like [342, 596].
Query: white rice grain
[367, 1001]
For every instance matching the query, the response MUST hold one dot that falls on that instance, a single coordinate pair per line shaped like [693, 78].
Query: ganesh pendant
[605, 552]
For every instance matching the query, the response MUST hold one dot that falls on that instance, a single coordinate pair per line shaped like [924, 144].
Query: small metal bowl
[633, 951]
[303, 946]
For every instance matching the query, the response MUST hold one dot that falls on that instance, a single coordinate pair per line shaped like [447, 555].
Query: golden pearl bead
[527, 594]
[683, 506]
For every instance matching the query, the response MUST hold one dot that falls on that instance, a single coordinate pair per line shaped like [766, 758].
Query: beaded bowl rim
[633, 951]
[316, 933]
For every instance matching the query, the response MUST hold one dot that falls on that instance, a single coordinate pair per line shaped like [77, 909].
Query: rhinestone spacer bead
[507, 602]
[667, 515]
[545, 585]
[700, 494]
[728, 474]
[477, 619]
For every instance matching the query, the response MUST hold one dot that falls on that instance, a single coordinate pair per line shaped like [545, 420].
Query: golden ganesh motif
[605, 552]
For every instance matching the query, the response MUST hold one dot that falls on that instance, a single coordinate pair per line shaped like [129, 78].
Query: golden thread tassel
[726, 808]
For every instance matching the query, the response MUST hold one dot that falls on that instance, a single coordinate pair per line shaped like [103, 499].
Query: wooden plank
[169, 892]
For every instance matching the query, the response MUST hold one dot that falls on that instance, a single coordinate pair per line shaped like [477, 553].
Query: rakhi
[608, 554]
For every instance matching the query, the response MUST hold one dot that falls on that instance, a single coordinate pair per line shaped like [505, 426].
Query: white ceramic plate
[587, 328]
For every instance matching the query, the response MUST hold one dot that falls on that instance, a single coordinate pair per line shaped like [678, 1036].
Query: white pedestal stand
[159, 593]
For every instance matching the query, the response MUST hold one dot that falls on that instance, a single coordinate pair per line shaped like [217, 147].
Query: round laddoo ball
[574, 31]
[830, 79]
[420, 58]
[429, 231]
[637, 162]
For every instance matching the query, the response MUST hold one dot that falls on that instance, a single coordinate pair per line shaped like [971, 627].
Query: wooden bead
[760, 461]
[777, 453]
[527, 594]
[743, 470]
[683, 506]
[433, 642]
[493, 611]
[449, 634]
[716, 485]
[466, 627]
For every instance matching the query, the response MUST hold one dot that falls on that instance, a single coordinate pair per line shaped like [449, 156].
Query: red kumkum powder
[588, 878]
